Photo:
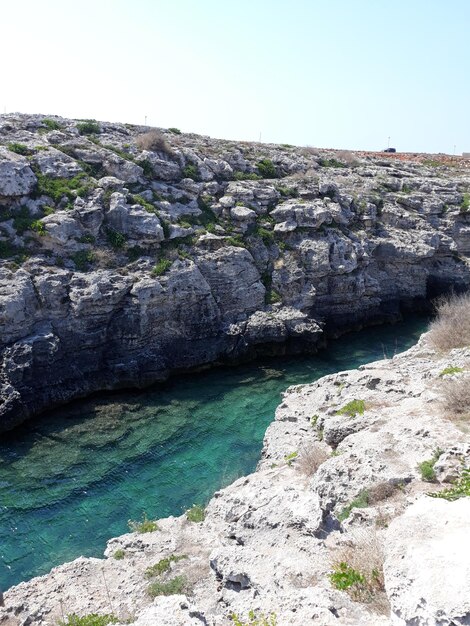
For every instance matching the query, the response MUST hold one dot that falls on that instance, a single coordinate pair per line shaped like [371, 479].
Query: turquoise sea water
[73, 478]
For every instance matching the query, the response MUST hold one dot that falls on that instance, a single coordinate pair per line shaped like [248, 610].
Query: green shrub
[51, 124]
[115, 239]
[235, 240]
[465, 204]
[267, 169]
[290, 458]
[330, 163]
[161, 267]
[93, 619]
[89, 127]
[135, 253]
[451, 370]
[138, 199]
[255, 620]
[271, 297]
[352, 408]
[191, 171]
[174, 586]
[196, 513]
[288, 192]
[145, 526]
[459, 489]
[119, 554]
[426, 468]
[9, 251]
[266, 235]
[57, 188]
[19, 148]
[238, 175]
[344, 577]
[313, 421]
[175, 131]
[83, 259]
[360, 502]
[163, 565]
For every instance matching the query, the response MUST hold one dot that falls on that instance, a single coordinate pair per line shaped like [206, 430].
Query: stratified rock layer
[125, 256]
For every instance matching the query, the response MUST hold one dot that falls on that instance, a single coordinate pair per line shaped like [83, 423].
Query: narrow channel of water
[72, 479]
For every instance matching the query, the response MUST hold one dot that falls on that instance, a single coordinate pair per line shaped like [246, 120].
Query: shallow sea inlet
[73, 478]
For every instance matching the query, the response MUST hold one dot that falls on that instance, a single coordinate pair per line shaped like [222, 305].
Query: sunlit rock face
[127, 254]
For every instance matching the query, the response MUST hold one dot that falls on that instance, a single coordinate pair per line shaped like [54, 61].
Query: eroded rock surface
[125, 257]
[334, 484]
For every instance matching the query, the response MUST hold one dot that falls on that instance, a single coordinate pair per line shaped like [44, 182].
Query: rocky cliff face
[127, 254]
[335, 527]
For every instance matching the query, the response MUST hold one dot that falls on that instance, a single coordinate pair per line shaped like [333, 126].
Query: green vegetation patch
[290, 458]
[426, 468]
[255, 619]
[331, 163]
[57, 188]
[51, 124]
[88, 127]
[267, 169]
[196, 513]
[238, 175]
[175, 131]
[163, 565]
[465, 204]
[171, 587]
[115, 239]
[20, 148]
[448, 371]
[83, 259]
[161, 267]
[119, 554]
[93, 619]
[191, 171]
[353, 408]
[344, 577]
[459, 489]
[360, 502]
[145, 526]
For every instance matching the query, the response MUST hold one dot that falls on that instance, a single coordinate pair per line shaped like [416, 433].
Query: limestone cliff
[127, 254]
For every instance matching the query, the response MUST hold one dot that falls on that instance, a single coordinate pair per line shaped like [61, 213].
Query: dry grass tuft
[311, 456]
[154, 142]
[451, 328]
[455, 397]
[380, 491]
[363, 555]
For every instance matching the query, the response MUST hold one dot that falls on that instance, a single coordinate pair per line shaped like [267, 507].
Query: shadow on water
[73, 480]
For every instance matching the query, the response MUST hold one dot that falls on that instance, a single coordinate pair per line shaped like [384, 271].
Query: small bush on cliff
[449, 371]
[161, 267]
[360, 502]
[145, 526]
[358, 570]
[171, 587]
[153, 141]
[88, 127]
[119, 554]
[93, 619]
[352, 408]
[196, 513]
[51, 124]
[267, 169]
[451, 327]
[163, 565]
[426, 468]
[19, 148]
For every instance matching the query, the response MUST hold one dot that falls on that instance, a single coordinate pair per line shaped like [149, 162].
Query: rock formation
[127, 253]
[336, 526]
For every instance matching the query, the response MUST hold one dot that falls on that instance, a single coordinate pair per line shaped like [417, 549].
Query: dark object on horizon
[390, 150]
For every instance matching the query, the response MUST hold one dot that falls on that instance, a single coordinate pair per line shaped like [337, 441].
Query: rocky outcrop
[127, 254]
[339, 490]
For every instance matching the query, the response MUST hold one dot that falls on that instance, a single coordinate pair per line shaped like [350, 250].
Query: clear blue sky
[329, 73]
